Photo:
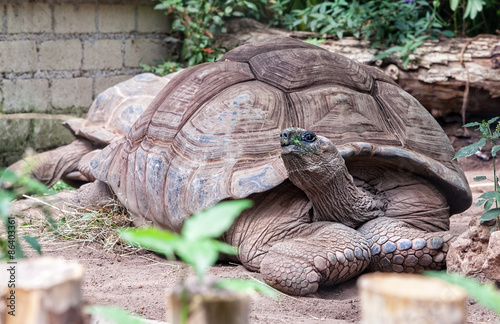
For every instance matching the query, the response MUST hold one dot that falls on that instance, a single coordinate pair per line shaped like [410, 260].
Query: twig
[43, 203]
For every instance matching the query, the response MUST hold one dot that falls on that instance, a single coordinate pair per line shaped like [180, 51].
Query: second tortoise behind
[379, 196]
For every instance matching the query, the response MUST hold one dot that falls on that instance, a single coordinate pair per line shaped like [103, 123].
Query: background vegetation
[395, 27]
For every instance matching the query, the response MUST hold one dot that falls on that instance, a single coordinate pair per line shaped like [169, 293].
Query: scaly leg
[322, 253]
[398, 247]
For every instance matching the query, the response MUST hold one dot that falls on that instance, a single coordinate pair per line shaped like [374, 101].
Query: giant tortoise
[346, 170]
[109, 118]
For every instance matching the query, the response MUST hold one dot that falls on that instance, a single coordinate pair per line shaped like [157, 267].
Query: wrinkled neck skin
[320, 171]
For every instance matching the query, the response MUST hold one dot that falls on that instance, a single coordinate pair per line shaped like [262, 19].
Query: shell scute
[297, 68]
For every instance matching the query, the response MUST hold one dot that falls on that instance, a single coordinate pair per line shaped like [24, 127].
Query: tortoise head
[304, 151]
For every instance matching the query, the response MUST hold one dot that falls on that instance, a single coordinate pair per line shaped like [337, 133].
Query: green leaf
[5, 199]
[225, 248]
[161, 241]
[490, 214]
[448, 33]
[114, 314]
[381, 56]
[495, 149]
[454, 4]
[9, 176]
[488, 204]
[472, 124]
[214, 221]
[33, 242]
[492, 120]
[479, 178]
[486, 295]
[470, 149]
[480, 202]
[248, 285]
[19, 253]
[201, 254]
[489, 195]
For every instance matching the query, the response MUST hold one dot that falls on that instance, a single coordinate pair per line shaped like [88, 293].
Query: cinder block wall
[57, 56]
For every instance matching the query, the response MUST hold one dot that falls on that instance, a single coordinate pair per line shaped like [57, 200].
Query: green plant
[197, 243]
[194, 24]
[486, 295]
[392, 26]
[473, 17]
[489, 198]
[13, 186]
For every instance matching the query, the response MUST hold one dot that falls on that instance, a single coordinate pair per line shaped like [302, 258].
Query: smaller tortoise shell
[116, 109]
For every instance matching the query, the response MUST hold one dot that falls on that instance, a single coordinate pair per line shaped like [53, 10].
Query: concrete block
[150, 20]
[75, 18]
[49, 133]
[144, 50]
[116, 18]
[29, 17]
[103, 83]
[61, 55]
[29, 95]
[68, 93]
[14, 134]
[18, 56]
[102, 54]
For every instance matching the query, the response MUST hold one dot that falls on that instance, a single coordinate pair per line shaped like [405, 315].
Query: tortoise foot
[398, 247]
[323, 253]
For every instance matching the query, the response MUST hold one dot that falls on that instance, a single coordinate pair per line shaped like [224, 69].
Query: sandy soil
[139, 282]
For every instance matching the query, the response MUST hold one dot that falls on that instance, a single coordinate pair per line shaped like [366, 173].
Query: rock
[491, 267]
[468, 253]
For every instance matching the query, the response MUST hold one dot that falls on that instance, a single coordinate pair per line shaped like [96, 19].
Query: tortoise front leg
[398, 247]
[322, 253]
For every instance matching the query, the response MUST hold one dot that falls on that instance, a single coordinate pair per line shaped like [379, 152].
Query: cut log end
[405, 298]
[42, 290]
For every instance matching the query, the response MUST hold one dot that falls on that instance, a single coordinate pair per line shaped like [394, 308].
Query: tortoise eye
[308, 137]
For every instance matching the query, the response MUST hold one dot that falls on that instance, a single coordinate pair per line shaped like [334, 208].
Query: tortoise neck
[333, 194]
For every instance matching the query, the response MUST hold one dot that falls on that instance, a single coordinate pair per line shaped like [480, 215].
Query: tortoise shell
[213, 132]
[116, 109]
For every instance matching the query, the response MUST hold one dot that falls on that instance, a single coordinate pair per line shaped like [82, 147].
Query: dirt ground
[139, 282]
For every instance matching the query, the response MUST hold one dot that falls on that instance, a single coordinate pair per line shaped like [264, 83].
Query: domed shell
[116, 109]
[213, 132]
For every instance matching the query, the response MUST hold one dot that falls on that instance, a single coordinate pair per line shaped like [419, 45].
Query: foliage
[393, 26]
[473, 17]
[489, 198]
[197, 244]
[194, 24]
[486, 295]
[13, 186]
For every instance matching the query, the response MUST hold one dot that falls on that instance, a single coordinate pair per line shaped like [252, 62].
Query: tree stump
[43, 291]
[407, 298]
[204, 304]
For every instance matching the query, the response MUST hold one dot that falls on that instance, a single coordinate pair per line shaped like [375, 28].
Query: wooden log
[41, 291]
[393, 298]
[438, 73]
[204, 304]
